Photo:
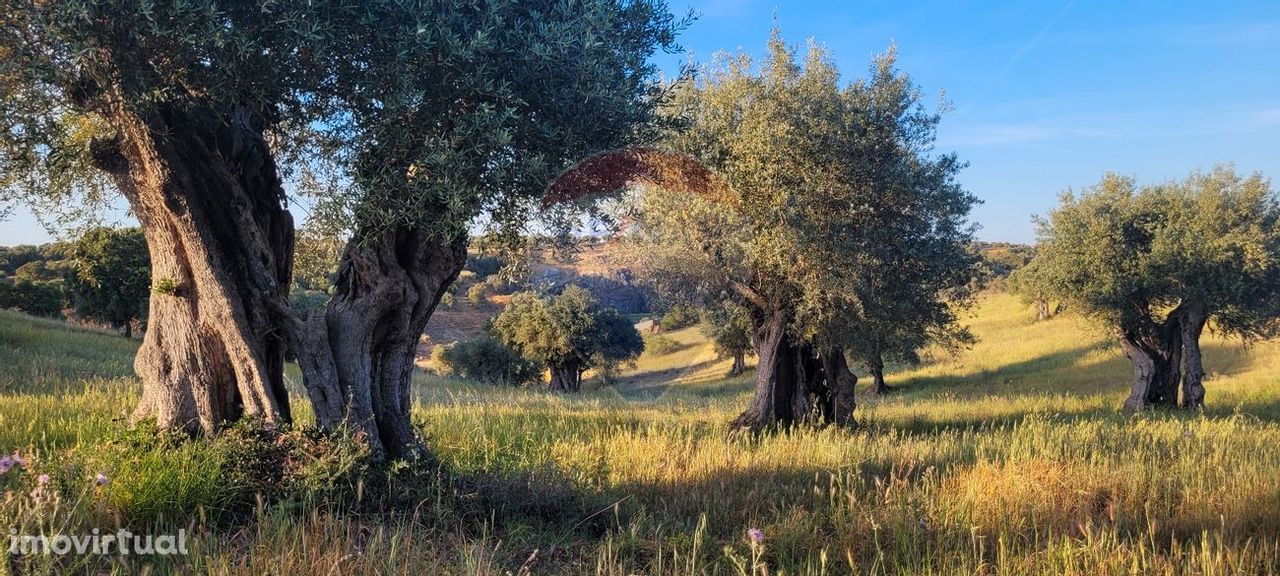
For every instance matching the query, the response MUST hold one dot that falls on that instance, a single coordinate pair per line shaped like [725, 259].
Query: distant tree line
[103, 276]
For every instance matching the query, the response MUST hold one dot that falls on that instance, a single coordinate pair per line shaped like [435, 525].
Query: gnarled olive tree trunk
[876, 367]
[739, 363]
[1191, 325]
[204, 187]
[840, 385]
[357, 357]
[794, 383]
[1156, 354]
[779, 397]
[566, 377]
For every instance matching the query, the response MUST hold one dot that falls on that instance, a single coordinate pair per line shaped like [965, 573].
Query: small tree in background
[728, 326]
[1028, 283]
[110, 278]
[1158, 263]
[569, 332]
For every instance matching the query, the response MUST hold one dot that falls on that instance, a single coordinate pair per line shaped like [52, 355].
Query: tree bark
[1042, 309]
[357, 357]
[1156, 354]
[841, 383]
[739, 363]
[1190, 327]
[876, 367]
[566, 377]
[781, 390]
[204, 187]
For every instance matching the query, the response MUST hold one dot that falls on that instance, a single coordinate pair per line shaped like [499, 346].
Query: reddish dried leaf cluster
[612, 171]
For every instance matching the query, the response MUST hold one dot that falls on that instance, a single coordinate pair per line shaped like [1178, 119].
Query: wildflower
[6, 464]
[17, 460]
[42, 480]
[101, 479]
[756, 535]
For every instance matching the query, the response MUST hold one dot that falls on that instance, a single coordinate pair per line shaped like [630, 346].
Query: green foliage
[478, 294]
[307, 302]
[484, 359]
[728, 326]
[484, 266]
[659, 345]
[315, 257]
[568, 328]
[111, 275]
[1126, 255]
[844, 219]
[37, 298]
[164, 286]
[680, 315]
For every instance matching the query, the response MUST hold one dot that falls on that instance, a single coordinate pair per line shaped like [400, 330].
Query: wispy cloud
[1031, 44]
[722, 8]
[1227, 33]
[1018, 134]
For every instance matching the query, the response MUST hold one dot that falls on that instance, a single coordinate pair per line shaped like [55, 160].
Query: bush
[680, 316]
[305, 302]
[485, 359]
[659, 345]
[484, 266]
[35, 298]
[478, 294]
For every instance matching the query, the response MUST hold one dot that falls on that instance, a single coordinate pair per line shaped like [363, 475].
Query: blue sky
[1052, 94]
[1047, 94]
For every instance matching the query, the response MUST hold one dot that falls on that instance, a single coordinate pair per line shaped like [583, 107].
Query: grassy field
[1011, 458]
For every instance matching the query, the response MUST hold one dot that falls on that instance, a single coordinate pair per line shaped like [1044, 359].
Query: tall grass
[1010, 458]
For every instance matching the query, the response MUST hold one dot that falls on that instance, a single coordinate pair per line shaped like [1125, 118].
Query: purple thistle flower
[756, 535]
[6, 464]
[101, 479]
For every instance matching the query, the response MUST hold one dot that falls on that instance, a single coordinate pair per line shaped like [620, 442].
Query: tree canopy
[839, 215]
[110, 279]
[412, 118]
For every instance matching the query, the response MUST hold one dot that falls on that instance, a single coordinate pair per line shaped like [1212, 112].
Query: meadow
[1009, 458]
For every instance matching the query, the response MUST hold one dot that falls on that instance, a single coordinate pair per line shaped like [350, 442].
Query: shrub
[680, 316]
[484, 266]
[659, 345]
[477, 294]
[485, 359]
[35, 298]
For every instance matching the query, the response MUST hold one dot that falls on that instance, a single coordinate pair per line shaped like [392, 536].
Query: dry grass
[1008, 459]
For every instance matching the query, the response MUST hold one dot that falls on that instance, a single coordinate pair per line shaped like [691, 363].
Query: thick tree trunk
[203, 185]
[840, 383]
[1156, 354]
[566, 377]
[1190, 327]
[357, 358]
[781, 390]
[876, 367]
[1042, 309]
[739, 363]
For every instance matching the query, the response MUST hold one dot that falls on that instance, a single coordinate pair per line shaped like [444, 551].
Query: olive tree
[197, 112]
[1156, 264]
[728, 325]
[813, 203]
[569, 332]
